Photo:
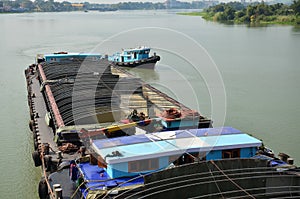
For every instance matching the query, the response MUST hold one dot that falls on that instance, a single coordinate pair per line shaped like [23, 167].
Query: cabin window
[154, 164]
[143, 165]
[191, 157]
[135, 55]
[173, 158]
[202, 156]
[184, 159]
[232, 153]
[53, 59]
[132, 166]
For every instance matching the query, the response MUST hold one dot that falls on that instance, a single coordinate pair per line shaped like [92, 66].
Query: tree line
[254, 13]
[53, 6]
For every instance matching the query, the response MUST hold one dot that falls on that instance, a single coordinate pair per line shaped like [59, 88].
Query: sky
[153, 1]
[116, 1]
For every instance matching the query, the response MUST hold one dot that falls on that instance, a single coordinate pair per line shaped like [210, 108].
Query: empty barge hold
[100, 132]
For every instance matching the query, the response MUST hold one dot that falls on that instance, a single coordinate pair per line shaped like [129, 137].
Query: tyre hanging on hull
[43, 189]
[48, 162]
[31, 125]
[31, 114]
[36, 145]
[36, 158]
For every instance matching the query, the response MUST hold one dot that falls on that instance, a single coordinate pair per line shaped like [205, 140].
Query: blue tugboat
[135, 57]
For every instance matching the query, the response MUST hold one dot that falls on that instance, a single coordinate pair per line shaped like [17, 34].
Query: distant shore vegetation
[260, 13]
[20, 6]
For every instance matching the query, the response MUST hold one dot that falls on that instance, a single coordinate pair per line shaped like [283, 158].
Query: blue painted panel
[119, 170]
[61, 57]
[163, 162]
[214, 155]
[248, 152]
[179, 123]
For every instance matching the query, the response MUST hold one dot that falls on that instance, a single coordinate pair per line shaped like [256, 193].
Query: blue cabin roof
[70, 54]
[57, 57]
[172, 143]
[135, 139]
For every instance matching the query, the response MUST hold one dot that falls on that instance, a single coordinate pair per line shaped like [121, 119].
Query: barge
[100, 132]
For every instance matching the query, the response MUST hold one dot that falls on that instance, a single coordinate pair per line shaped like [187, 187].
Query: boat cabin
[141, 154]
[65, 56]
[130, 55]
[173, 119]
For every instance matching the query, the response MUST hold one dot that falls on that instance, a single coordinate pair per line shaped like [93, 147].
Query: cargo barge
[100, 132]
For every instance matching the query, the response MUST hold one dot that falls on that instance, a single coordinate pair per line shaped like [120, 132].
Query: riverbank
[274, 19]
[262, 13]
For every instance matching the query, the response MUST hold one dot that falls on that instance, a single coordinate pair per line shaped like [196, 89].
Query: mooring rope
[45, 173]
[238, 186]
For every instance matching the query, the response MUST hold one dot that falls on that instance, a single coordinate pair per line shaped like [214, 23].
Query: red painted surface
[58, 118]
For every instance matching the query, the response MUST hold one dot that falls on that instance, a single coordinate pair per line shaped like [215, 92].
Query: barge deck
[80, 109]
[101, 95]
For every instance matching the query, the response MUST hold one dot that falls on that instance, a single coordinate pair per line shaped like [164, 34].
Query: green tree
[250, 11]
[220, 16]
[263, 9]
[218, 8]
[229, 13]
[296, 7]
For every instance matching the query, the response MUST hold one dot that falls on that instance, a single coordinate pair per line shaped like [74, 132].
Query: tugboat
[135, 57]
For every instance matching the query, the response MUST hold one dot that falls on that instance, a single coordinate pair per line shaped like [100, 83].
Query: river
[248, 76]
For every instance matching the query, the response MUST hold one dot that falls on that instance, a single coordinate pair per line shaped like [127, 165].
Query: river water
[241, 76]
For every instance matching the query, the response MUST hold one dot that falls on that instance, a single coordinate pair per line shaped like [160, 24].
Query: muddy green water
[258, 65]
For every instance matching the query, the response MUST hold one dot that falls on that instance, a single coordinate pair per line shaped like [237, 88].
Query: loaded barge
[100, 132]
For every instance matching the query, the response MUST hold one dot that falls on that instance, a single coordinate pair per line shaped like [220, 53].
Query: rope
[140, 176]
[215, 181]
[232, 180]
[45, 173]
[75, 192]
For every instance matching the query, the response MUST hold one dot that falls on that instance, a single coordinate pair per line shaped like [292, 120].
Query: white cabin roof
[168, 145]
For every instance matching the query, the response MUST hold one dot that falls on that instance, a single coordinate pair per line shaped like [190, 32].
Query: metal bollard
[58, 193]
[46, 148]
